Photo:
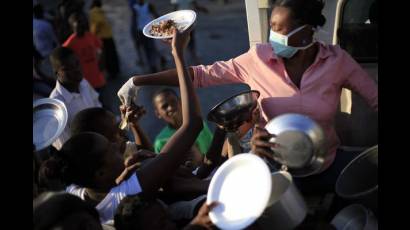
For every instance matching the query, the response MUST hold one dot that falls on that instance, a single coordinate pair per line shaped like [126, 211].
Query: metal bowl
[358, 182]
[234, 111]
[49, 121]
[355, 217]
[302, 145]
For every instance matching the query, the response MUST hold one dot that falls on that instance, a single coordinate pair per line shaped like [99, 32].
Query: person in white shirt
[44, 37]
[71, 88]
[90, 161]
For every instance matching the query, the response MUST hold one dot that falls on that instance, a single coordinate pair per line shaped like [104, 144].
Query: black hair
[50, 209]
[89, 120]
[163, 91]
[38, 11]
[77, 161]
[129, 211]
[78, 16]
[59, 55]
[305, 11]
[36, 165]
[96, 3]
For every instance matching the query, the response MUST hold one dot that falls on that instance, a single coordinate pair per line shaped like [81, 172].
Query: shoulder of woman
[333, 50]
[261, 50]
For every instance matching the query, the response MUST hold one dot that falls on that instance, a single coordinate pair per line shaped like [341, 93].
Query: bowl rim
[63, 108]
[358, 195]
[317, 159]
[221, 174]
[211, 111]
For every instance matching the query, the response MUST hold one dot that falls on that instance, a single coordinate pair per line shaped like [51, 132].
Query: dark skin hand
[133, 114]
[132, 163]
[260, 143]
[202, 218]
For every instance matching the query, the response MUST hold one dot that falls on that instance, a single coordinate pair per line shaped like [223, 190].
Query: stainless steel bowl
[355, 217]
[49, 121]
[301, 143]
[358, 182]
[232, 112]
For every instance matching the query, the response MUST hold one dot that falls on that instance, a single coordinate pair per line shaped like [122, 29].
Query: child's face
[168, 108]
[69, 71]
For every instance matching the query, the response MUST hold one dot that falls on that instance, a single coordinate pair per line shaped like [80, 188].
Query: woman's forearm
[167, 77]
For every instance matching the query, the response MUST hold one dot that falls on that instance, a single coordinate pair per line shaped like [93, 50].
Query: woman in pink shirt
[293, 72]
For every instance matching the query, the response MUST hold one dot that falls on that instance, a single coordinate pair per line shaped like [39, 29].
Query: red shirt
[85, 48]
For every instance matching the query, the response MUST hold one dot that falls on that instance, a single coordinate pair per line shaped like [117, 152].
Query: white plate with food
[161, 28]
[242, 187]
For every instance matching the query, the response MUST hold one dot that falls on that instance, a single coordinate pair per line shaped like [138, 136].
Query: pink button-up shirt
[320, 87]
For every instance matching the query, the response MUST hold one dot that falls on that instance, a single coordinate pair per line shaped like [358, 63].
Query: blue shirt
[43, 37]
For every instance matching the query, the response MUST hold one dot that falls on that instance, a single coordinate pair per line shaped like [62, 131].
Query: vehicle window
[358, 31]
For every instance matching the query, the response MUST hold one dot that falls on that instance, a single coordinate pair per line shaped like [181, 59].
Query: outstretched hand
[132, 163]
[180, 39]
[202, 218]
[261, 144]
[132, 113]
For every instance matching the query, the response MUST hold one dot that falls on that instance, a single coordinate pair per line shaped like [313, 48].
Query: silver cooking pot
[286, 208]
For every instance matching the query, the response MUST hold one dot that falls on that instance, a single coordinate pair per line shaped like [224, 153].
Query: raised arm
[213, 157]
[155, 173]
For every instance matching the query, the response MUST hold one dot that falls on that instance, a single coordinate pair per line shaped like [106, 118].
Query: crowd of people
[96, 177]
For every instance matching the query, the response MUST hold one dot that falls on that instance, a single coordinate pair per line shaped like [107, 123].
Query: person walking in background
[71, 88]
[100, 27]
[64, 9]
[144, 12]
[87, 47]
[190, 5]
[43, 34]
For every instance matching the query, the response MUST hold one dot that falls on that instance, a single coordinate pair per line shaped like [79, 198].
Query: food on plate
[164, 28]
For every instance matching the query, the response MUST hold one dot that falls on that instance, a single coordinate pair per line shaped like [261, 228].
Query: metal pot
[358, 182]
[302, 144]
[355, 217]
[286, 208]
[235, 110]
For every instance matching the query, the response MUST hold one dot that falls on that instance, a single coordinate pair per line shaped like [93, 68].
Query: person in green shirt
[168, 108]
